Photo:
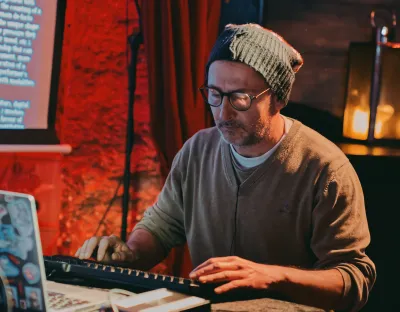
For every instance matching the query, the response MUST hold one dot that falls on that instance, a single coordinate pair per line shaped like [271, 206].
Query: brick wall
[92, 116]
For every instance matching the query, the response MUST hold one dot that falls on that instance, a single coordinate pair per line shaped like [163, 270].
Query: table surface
[254, 305]
[266, 304]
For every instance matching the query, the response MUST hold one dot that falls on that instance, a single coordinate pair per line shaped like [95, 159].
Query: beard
[236, 133]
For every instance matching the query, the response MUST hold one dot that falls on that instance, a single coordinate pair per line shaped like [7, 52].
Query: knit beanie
[264, 51]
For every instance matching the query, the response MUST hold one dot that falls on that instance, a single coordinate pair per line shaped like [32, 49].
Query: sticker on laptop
[3, 212]
[12, 243]
[31, 273]
[20, 213]
[12, 293]
[9, 269]
[33, 297]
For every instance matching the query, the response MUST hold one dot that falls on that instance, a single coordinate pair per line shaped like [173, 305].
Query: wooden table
[241, 304]
[262, 305]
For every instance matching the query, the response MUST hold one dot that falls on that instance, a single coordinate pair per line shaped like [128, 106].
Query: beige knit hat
[264, 51]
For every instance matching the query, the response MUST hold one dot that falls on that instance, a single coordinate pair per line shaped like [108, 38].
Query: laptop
[23, 284]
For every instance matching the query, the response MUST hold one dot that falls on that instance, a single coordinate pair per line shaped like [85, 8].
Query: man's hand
[110, 249]
[237, 273]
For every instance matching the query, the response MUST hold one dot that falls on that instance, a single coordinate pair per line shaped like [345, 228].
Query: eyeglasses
[239, 100]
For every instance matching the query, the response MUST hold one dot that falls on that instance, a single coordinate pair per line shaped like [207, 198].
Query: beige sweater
[302, 207]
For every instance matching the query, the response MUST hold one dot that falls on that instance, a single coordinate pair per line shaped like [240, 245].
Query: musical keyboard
[92, 273]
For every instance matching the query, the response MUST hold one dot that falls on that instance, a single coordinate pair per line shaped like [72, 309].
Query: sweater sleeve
[165, 218]
[341, 234]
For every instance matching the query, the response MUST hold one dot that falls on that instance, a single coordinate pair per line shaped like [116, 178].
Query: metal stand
[135, 41]
[381, 34]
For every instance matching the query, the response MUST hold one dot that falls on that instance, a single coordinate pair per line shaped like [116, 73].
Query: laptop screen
[21, 261]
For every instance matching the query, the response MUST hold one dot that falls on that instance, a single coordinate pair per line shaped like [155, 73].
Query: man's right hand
[110, 249]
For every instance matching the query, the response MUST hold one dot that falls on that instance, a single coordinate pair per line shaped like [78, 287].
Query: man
[263, 201]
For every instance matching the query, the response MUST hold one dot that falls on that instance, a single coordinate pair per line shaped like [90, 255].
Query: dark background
[322, 31]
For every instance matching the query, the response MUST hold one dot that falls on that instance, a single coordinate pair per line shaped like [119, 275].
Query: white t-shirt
[250, 162]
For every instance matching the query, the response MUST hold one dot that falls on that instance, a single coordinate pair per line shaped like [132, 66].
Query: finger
[213, 260]
[223, 276]
[114, 241]
[116, 244]
[122, 256]
[196, 270]
[132, 254]
[91, 245]
[239, 283]
[82, 249]
[103, 246]
[77, 252]
[124, 248]
[215, 267]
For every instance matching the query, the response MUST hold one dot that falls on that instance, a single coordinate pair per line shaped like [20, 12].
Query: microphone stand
[135, 40]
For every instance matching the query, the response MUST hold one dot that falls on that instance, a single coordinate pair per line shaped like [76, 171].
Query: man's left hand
[237, 273]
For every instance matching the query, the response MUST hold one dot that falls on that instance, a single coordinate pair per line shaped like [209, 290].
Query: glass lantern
[372, 110]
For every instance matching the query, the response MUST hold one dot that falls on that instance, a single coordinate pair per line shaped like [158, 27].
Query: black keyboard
[91, 273]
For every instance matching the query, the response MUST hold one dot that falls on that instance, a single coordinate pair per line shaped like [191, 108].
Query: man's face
[240, 128]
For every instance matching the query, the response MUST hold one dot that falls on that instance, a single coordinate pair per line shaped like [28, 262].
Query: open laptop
[22, 269]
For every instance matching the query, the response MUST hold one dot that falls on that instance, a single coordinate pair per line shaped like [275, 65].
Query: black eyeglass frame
[228, 94]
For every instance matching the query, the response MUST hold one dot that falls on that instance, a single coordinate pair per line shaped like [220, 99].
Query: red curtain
[178, 36]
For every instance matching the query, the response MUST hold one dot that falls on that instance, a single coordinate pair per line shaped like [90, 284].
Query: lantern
[372, 110]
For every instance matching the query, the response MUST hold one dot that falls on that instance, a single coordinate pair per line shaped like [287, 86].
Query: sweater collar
[279, 155]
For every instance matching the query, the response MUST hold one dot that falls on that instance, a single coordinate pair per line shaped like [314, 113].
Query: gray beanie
[264, 51]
